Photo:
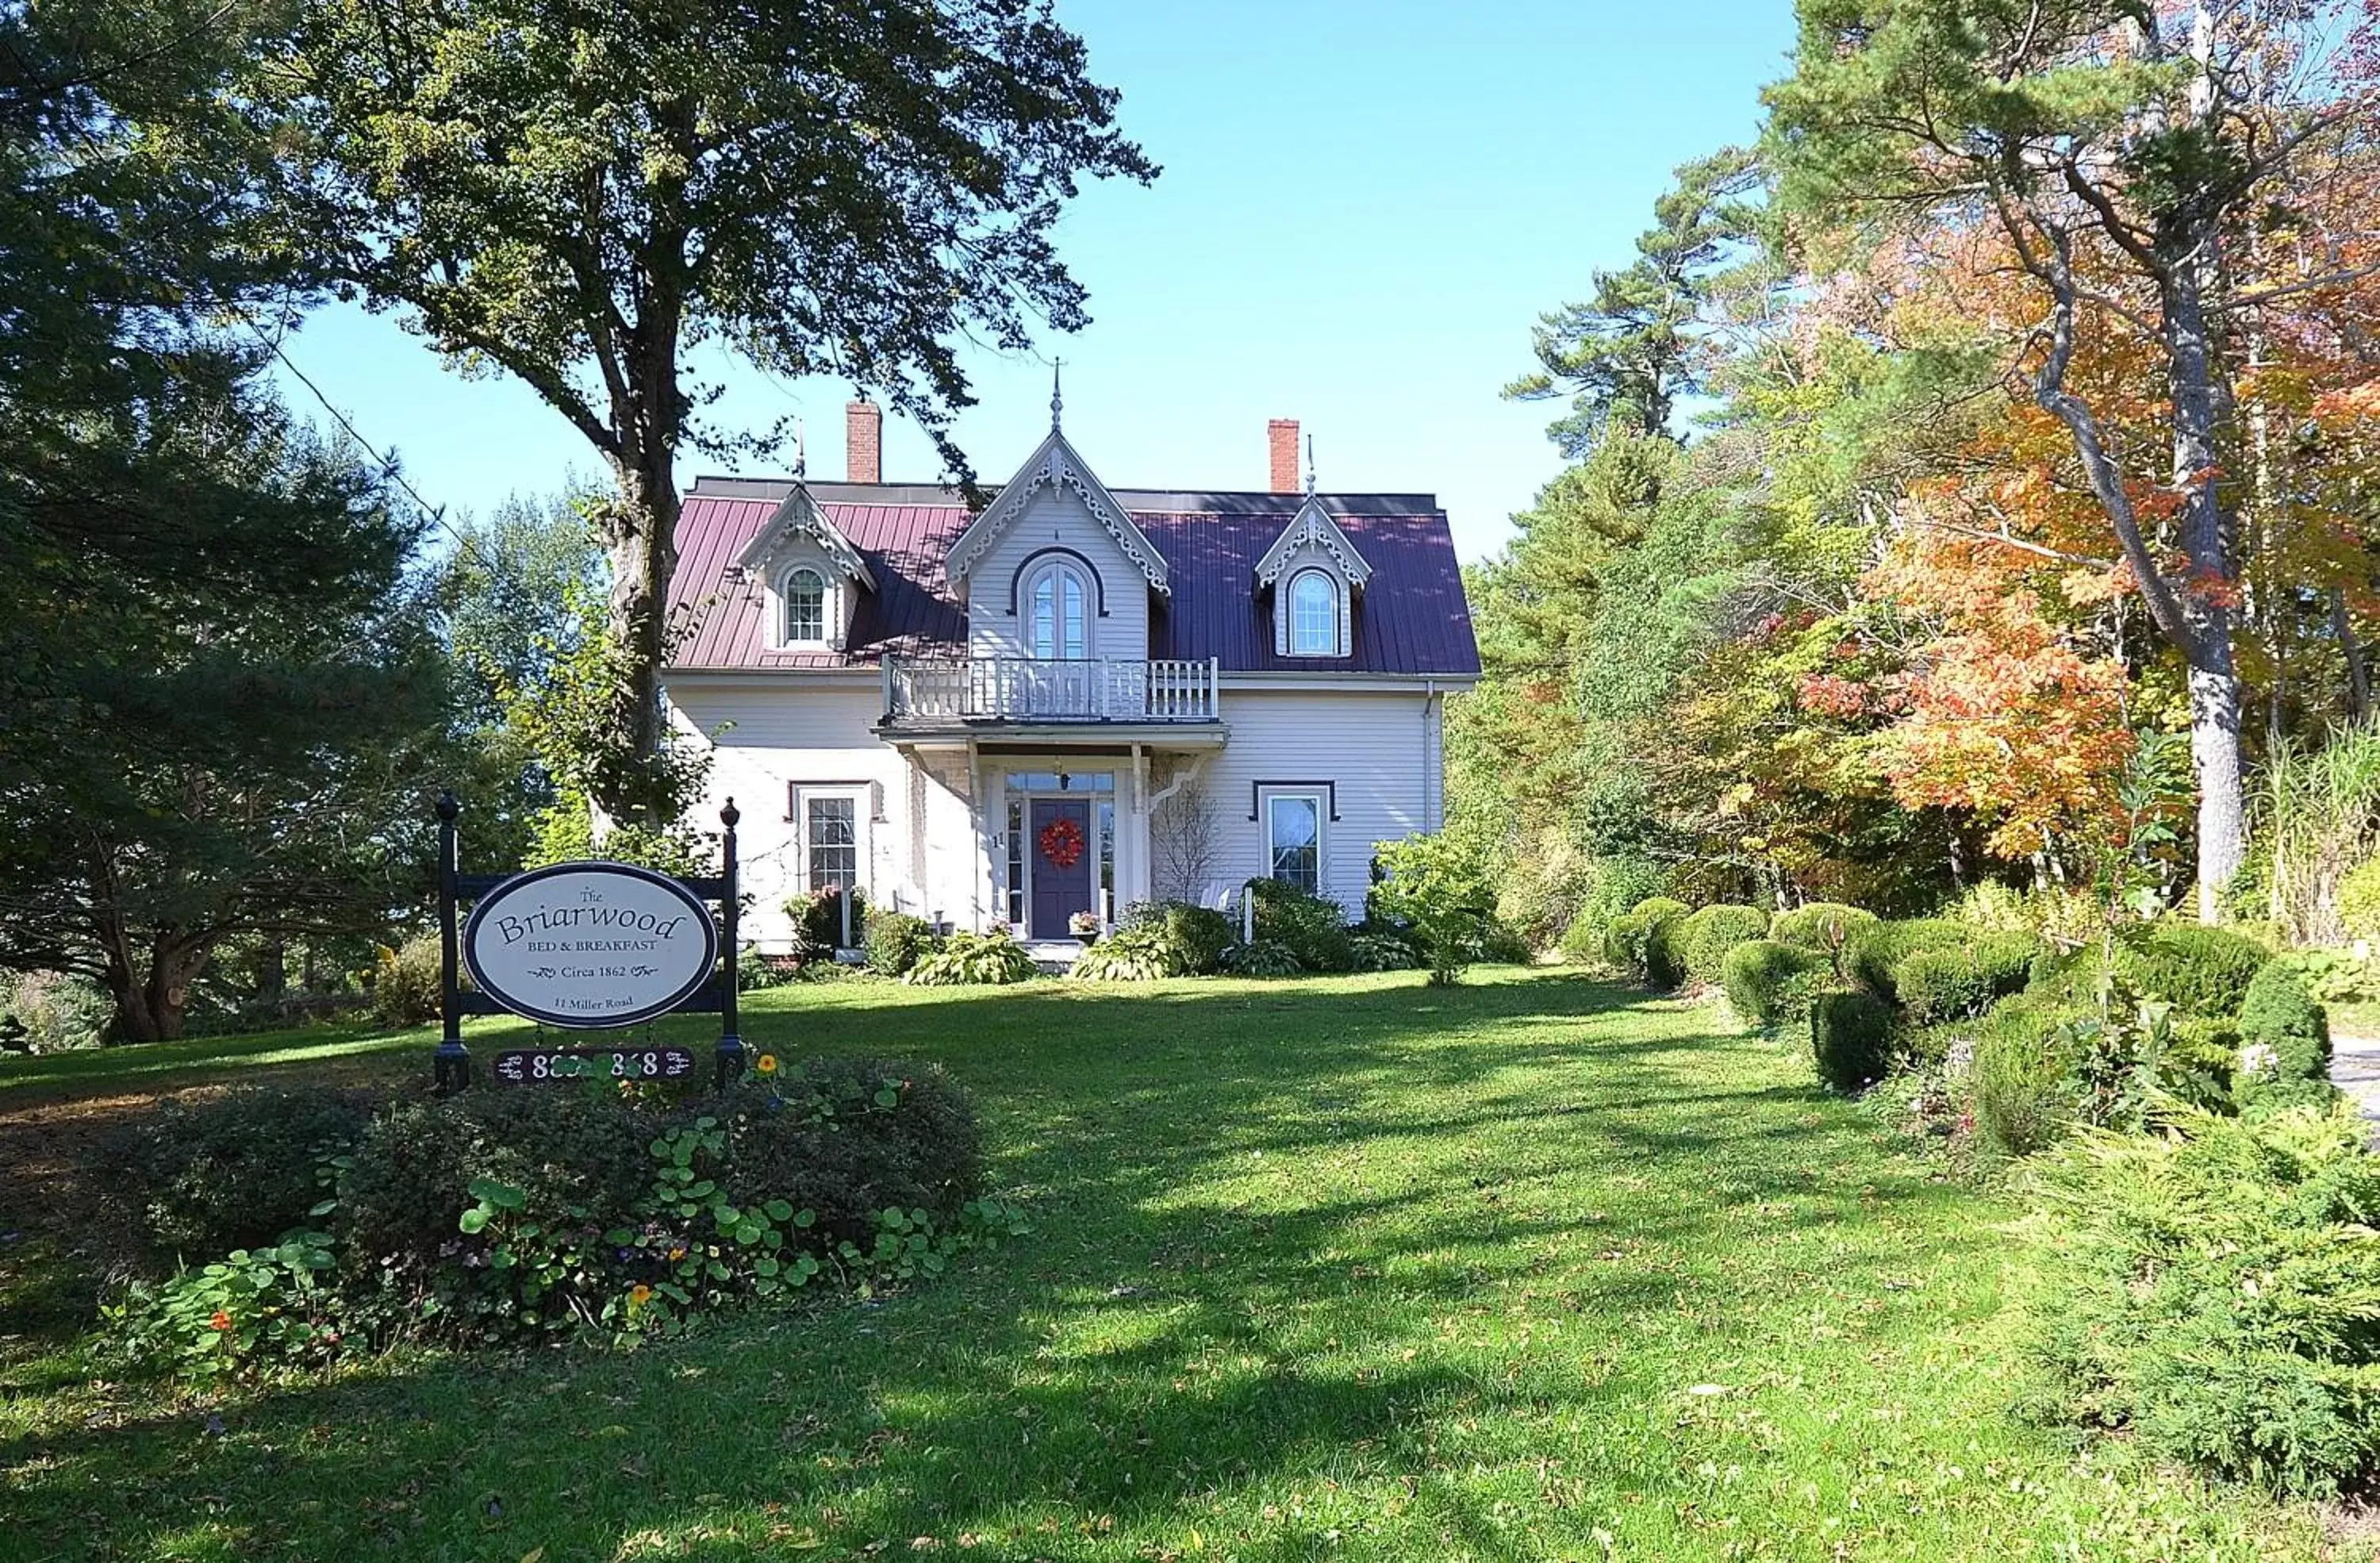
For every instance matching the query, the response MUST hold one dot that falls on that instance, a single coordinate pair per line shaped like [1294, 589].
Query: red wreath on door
[1061, 843]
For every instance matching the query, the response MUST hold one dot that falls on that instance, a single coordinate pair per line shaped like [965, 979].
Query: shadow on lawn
[1180, 1324]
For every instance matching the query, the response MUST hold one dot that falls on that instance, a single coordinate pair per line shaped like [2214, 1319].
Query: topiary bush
[1937, 985]
[2284, 1055]
[2022, 1078]
[1870, 953]
[2210, 1292]
[1653, 949]
[896, 941]
[1767, 982]
[240, 1169]
[1820, 926]
[1851, 1037]
[2199, 971]
[992, 959]
[1703, 939]
[1311, 927]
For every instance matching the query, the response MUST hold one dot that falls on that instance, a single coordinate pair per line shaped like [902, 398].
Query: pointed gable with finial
[1054, 465]
[1316, 575]
[810, 573]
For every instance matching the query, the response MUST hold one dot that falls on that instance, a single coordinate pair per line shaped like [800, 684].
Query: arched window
[805, 606]
[1314, 615]
[1057, 614]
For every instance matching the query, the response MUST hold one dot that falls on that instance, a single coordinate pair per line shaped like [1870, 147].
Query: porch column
[979, 894]
[1134, 883]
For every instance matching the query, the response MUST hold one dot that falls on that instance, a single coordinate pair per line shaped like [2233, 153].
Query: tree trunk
[150, 1001]
[2351, 650]
[643, 549]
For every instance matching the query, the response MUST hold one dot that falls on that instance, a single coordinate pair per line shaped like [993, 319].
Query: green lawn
[1538, 1268]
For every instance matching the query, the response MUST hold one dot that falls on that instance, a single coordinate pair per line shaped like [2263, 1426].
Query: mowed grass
[1534, 1268]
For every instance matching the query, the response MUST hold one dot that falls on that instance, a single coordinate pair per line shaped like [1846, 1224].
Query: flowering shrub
[510, 1216]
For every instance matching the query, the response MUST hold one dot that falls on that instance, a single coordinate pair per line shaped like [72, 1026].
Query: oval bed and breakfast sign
[590, 944]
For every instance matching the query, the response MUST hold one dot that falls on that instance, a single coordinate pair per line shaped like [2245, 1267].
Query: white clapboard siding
[1055, 517]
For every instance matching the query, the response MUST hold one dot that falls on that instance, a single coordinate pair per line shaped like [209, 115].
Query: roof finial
[1309, 467]
[801, 452]
[1057, 399]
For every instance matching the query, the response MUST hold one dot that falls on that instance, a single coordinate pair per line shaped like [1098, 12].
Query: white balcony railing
[925, 692]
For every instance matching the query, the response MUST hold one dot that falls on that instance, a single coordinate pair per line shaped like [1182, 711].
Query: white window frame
[1333, 590]
[1056, 572]
[1320, 803]
[858, 798]
[828, 606]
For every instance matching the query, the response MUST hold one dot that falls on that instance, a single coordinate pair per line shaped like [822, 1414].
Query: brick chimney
[864, 441]
[1283, 432]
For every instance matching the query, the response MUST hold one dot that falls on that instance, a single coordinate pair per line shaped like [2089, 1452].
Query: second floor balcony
[1029, 691]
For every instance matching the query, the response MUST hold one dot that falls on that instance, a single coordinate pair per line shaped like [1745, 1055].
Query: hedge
[1820, 926]
[1870, 953]
[2199, 971]
[1851, 1037]
[1703, 938]
[1767, 982]
[1958, 983]
[2023, 1073]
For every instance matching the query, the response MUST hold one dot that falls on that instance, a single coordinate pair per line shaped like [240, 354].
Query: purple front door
[1065, 862]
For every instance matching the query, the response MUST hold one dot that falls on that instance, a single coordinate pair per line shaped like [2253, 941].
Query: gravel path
[2355, 1069]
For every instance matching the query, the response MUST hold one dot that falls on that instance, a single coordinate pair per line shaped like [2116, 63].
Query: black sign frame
[451, 1065]
[579, 1022]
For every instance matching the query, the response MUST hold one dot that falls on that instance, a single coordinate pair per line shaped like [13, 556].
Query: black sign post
[451, 1067]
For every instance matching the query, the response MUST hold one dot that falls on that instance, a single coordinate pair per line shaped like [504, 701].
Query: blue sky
[1365, 208]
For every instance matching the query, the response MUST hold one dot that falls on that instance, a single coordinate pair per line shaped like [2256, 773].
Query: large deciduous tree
[579, 194]
[2130, 156]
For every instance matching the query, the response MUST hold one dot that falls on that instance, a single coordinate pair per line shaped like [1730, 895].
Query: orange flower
[767, 1063]
[639, 1294]
[222, 1320]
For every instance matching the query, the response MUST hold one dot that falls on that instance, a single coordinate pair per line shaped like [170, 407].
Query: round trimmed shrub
[1703, 938]
[1869, 955]
[2023, 1073]
[2199, 971]
[1937, 985]
[1821, 925]
[1767, 982]
[1850, 1036]
[240, 1171]
[1657, 958]
[896, 941]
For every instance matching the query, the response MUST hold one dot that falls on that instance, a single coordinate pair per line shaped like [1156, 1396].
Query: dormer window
[1313, 616]
[1057, 614]
[805, 592]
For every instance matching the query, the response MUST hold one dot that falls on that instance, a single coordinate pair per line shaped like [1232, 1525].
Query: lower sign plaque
[534, 1066]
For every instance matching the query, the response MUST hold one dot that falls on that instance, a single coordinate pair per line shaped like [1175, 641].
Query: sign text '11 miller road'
[590, 944]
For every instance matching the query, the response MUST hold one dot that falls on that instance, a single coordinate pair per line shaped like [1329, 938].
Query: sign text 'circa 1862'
[590, 944]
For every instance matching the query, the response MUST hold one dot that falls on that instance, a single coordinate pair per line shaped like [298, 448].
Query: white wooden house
[1077, 697]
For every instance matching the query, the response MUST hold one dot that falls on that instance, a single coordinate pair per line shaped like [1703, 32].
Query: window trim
[860, 795]
[1319, 802]
[827, 606]
[1333, 590]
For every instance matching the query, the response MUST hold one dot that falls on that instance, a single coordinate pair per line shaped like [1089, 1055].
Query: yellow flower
[676, 1254]
[767, 1063]
[639, 1294]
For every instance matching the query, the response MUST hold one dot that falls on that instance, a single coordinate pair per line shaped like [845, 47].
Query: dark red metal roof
[1411, 617]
